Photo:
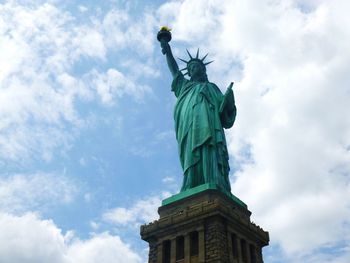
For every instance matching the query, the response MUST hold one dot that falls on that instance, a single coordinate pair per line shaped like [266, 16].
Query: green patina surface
[201, 188]
[201, 113]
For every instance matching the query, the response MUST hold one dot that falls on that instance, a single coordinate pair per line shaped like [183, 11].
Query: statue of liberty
[201, 112]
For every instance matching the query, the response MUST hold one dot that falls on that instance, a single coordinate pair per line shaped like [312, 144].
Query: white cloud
[41, 46]
[25, 192]
[29, 238]
[291, 137]
[298, 185]
[90, 42]
[102, 248]
[171, 182]
[95, 226]
[121, 215]
[83, 8]
[122, 30]
[114, 24]
[37, 92]
[82, 161]
[168, 179]
[114, 84]
[191, 18]
[142, 211]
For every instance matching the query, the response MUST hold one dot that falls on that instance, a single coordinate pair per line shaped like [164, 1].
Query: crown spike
[208, 63]
[183, 69]
[204, 57]
[189, 54]
[197, 53]
[186, 73]
[183, 60]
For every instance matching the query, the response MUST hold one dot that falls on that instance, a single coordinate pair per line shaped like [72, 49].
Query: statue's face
[195, 69]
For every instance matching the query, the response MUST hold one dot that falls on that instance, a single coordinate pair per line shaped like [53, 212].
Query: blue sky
[87, 146]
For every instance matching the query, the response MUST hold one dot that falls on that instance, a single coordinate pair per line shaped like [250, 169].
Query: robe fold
[199, 121]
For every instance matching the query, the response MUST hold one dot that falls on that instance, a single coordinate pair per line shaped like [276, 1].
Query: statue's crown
[194, 59]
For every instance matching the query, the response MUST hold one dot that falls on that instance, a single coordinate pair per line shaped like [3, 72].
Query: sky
[87, 141]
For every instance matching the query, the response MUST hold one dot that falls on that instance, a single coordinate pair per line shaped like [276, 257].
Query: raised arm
[166, 50]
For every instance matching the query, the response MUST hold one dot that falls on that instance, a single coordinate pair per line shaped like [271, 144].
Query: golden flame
[165, 28]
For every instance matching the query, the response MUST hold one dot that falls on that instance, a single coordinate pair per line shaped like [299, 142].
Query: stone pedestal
[205, 227]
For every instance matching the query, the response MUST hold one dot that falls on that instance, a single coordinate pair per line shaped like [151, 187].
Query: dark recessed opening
[244, 250]
[252, 254]
[166, 251]
[234, 246]
[194, 244]
[180, 248]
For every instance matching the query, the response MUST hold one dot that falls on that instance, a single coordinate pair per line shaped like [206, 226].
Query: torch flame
[165, 28]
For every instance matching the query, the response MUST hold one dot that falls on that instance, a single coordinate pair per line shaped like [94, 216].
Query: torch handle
[165, 46]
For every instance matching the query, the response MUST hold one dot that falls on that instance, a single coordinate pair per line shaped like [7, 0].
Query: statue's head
[195, 67]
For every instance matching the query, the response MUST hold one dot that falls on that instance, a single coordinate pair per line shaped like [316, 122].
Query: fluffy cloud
[102, 248]
[142, 211]
[25, 192]
[122, 31]
[290, 143]
[114, 84]
[42, 81]
[298, 181]
[37, 91]
[29, 238]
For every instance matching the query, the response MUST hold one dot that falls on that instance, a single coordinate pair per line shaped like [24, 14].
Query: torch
[164, 36]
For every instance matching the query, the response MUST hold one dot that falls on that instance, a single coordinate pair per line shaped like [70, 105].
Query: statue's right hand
[165, 47]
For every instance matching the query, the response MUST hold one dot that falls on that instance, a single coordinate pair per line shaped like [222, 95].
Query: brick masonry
[215, 217]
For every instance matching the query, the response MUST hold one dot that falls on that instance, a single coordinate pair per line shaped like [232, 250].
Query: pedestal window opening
[166, 251]
[234, 246]
[244, 250]
[252, 254]
[194, 243]
[180, 248]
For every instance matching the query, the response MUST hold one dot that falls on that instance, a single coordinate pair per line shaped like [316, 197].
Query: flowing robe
[199, 131]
